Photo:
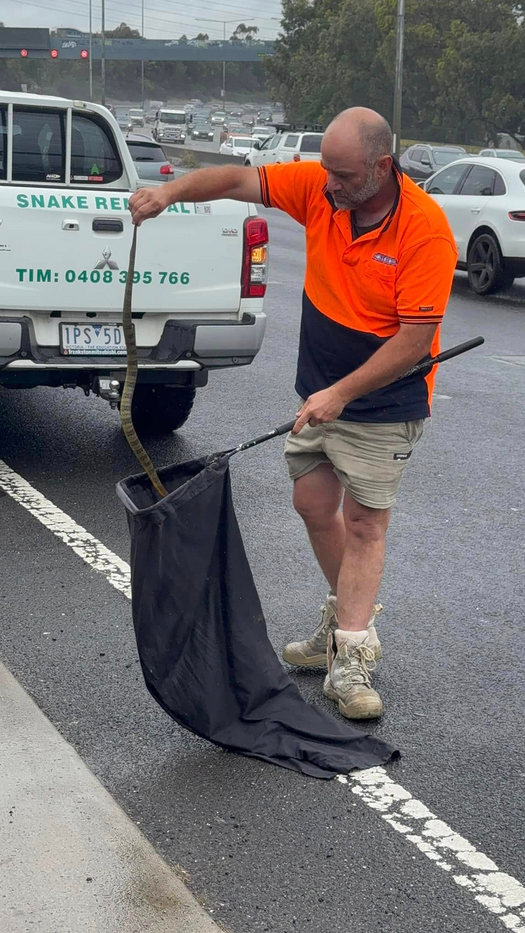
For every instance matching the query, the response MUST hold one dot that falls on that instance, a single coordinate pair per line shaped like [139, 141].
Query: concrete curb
[70, 858]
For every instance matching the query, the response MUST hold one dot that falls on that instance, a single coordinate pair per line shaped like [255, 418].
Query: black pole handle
[282, 429]
[423, 364]
[442, 357]
[461, 348]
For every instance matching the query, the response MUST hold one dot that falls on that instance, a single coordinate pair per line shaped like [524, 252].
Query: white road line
[92, 551]
[497, 892]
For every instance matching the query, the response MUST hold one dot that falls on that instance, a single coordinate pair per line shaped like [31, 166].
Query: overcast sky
[163, 18]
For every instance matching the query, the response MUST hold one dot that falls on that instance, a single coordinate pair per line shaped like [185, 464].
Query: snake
[131, 378]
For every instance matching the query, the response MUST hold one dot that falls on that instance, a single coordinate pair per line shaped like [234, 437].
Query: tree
[123, 32]
[244, 34]
[462, 66]
[326, 59]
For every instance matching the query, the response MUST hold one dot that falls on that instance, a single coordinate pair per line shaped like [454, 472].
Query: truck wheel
[159, 409]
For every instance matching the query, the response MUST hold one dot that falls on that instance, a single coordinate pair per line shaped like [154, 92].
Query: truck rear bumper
[184, 346]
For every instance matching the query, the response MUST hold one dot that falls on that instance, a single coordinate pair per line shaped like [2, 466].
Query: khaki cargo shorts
[368, 459]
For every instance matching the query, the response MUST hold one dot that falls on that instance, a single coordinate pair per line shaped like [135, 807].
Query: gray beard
[358, 198]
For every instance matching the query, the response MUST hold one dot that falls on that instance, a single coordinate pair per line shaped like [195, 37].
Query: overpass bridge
[40, 43]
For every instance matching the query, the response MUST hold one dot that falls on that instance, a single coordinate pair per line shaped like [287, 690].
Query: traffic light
[54, 53]
[84, 53]
[23, 53]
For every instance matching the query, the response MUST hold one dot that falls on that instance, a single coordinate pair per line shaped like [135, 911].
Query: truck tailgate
[68, 251]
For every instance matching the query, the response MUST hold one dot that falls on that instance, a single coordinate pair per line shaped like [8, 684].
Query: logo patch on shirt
[403, 456]
[387, 260]
[426, 308]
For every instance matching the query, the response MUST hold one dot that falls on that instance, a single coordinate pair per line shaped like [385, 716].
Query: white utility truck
[170, 126]
[66, 176]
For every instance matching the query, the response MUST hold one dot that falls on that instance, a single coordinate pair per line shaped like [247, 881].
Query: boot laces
[360, 663]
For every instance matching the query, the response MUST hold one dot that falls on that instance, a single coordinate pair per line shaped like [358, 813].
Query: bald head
[356, 153]
[360, 128]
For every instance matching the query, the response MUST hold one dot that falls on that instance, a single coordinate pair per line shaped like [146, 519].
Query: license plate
[92, 339]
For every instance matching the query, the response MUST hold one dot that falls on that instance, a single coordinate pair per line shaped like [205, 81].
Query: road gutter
[70, 858]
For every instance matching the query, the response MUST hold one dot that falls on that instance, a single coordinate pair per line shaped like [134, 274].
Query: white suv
[287, 147]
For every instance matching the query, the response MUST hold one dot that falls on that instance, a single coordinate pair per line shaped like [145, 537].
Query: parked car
[198, 298]
[202, 130]
[421, 161]
[238, 146]
[262, 132]
[218, 118]
[513, 154]
[484, 201]
[287, 147]
[149, 158]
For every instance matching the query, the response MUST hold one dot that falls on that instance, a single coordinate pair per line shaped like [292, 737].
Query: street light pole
[103, 54]
[223, 92]
[142, 61]
[91, 49]
[398, 83]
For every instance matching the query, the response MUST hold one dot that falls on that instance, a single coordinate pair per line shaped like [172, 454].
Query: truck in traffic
[170, 126]
[66, 177]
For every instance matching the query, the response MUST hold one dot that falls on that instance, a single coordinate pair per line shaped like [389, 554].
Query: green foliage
[463, 73]
[189, 160]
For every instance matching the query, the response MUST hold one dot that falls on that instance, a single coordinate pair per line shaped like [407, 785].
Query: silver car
[149, 158]
[512, 154]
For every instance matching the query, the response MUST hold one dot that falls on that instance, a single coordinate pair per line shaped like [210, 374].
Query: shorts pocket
[413, 431]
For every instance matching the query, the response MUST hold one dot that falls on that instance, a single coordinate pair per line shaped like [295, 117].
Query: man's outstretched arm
[241, 183]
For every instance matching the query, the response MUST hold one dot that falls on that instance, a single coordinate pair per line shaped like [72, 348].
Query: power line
[199, 3]
[225, 6]
[116, 14]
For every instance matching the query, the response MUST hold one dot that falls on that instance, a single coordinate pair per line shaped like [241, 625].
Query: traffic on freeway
[292, 704]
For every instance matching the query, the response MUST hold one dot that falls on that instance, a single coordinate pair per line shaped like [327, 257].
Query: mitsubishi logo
[106, 260]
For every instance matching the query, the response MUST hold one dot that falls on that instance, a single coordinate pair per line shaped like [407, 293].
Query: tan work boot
[350, 659]
[312, 651]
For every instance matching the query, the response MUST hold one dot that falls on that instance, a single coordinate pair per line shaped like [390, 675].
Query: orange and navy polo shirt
[357, 292]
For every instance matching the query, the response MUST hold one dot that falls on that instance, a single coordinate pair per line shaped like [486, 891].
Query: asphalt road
[266, 849]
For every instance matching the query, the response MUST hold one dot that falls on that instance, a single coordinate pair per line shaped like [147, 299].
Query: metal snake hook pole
[131, 378]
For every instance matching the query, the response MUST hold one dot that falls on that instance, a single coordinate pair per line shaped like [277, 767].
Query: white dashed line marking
[499, 893]
[92, 551]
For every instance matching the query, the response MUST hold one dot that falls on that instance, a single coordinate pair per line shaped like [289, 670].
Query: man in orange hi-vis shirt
[380, 261]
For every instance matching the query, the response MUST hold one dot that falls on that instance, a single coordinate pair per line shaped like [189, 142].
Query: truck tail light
[517, 215]
[166, 170]
[297, 157]
[255, 258]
